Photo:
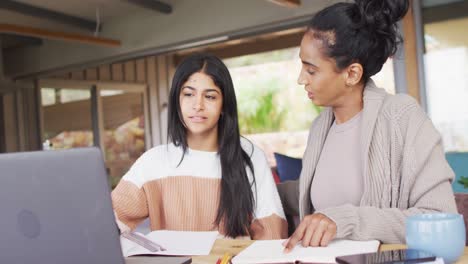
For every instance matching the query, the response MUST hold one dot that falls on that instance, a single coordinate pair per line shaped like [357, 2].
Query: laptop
[56, 208]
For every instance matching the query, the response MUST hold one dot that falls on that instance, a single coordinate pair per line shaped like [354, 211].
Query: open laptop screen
[56, 208]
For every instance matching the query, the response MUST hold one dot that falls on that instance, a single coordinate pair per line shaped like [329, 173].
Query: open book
[271, 251]
[175, 243]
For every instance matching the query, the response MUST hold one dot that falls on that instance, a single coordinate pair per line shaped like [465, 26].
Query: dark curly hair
[363, 32]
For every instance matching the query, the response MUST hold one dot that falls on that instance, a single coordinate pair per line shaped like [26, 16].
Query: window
[446, 68]
[274, 111]
[66, 117]
[113, 118]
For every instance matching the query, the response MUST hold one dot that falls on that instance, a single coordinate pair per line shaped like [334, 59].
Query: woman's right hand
[314, 230]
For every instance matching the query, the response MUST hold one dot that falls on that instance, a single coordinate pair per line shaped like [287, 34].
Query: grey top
[404, 168]
[338, 177]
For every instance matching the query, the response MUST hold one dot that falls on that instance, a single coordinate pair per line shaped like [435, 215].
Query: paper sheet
[176, 243]
[271, 251]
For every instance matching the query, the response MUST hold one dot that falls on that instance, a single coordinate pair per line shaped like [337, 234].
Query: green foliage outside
[268, 96]
[463, 181]
[258, 110]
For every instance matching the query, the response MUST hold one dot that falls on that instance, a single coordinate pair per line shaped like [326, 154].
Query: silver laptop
[55, 207]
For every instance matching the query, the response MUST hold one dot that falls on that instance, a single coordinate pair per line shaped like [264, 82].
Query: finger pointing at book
[314, 230]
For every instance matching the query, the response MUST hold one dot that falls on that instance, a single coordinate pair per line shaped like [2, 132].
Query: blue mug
[438, 233]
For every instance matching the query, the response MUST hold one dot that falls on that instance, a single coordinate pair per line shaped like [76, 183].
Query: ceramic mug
[441, 234]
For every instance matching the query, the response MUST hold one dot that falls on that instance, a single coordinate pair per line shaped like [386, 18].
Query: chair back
[462, 206]
[459, 163]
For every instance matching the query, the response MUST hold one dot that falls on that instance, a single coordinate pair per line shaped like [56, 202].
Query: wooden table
[233, 247]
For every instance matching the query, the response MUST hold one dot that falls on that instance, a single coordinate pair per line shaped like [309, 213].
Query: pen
[143, 241]
[226, 258]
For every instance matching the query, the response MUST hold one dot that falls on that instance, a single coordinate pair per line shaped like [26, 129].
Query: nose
[198, 104]
[301, 80]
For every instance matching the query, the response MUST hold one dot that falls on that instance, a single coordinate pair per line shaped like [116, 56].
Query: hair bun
[380, 15]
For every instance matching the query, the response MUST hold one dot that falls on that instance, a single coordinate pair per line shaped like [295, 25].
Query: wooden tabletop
[233, 247]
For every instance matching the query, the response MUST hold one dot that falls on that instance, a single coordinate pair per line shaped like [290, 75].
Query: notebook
[175, 243]
[271, 251]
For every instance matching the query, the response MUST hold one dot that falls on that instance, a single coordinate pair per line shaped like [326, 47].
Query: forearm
[129, 203]
[387, 224]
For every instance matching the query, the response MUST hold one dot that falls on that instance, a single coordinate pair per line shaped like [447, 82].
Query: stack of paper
[271, 251]
[176, 243]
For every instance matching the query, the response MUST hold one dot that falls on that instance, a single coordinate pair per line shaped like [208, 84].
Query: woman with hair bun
[372, 158]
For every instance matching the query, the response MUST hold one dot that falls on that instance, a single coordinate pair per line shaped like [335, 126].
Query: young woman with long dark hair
[372, 158]
[207, 177]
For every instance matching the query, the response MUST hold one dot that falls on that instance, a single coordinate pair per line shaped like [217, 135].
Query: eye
[310, 72]
[210, 97]
[187, 94]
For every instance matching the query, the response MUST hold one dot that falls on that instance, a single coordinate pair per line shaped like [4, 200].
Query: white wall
[191, 19]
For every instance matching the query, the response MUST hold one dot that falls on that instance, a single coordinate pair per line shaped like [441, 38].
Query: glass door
[124, 122]
[112, 116]
[446, 68]
[66, 117]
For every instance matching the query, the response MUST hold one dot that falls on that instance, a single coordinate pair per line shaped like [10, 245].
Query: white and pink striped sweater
[186, 197]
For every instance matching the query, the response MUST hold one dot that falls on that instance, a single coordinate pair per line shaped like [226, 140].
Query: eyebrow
[205, 90]
[309, 63]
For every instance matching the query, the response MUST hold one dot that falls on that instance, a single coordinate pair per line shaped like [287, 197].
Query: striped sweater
[404, 169]
[186, 196]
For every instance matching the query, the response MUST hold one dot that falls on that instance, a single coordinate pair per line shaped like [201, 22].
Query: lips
[197, 119]
[310, 95]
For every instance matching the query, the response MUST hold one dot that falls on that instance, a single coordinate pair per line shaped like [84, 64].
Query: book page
[176, 243]
[271, 251]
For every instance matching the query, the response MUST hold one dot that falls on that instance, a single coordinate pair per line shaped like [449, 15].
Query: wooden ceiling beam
[287, 3]
[35, 11]
[47, 34]
[251, 46]
[158, 6]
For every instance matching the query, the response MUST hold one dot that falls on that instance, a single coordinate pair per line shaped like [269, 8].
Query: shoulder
[399, 103]
[402, 108]
[156, 153]
[403, 113]
[154, 159]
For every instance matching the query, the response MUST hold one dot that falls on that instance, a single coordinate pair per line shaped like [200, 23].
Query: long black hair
[364, 32]
[236, 203]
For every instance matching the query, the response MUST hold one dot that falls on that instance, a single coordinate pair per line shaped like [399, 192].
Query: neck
[203, 142]
[352, 105]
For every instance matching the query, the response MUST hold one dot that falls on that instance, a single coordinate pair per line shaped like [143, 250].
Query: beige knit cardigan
[404, 168]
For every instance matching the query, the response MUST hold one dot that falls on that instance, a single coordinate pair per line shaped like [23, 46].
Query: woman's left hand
[314, 230]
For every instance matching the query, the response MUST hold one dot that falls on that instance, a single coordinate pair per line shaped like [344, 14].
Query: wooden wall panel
[152, 80]
[91, 74]
[10, 123]
[411, 60]
[20, 119]
[2, 126]
[104, 73]
[141, 70]
[130, 71]
[78, 75]
[163, 80]
[171, 71]
[32, 118]
[117, 72]
[63, 76]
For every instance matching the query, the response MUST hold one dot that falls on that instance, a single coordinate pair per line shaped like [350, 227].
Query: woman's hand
[314, 230]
